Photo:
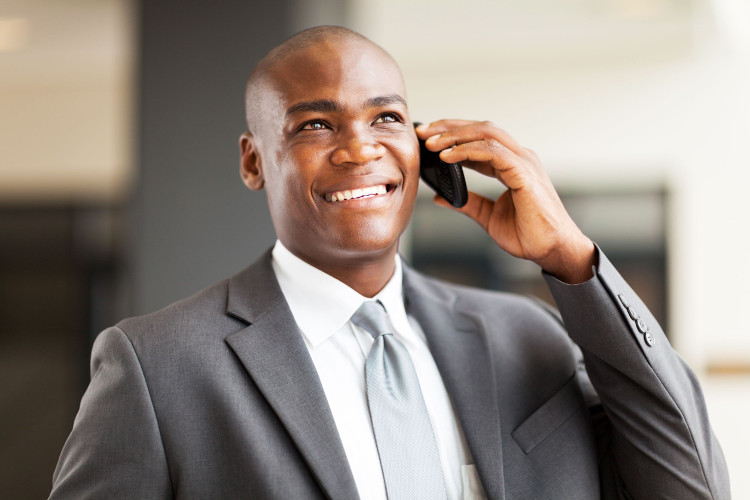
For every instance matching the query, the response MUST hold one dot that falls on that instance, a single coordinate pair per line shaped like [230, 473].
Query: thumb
[477, 207]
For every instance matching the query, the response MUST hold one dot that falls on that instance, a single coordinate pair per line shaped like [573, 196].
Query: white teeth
[356, 193]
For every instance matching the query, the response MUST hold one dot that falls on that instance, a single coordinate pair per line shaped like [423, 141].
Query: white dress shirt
[322, 307]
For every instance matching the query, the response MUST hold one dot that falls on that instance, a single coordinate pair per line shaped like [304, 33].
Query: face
[337, 153]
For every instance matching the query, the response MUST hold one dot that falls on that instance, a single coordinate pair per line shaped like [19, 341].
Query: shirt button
[649, 337]
[642, 327]
[633, 314]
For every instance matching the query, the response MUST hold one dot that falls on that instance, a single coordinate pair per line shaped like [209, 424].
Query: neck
[367, 275]
[367, 279]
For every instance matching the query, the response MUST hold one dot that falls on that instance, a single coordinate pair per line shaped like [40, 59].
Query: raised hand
[528, 220]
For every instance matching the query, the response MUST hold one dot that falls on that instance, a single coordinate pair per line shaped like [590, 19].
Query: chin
[368, 241]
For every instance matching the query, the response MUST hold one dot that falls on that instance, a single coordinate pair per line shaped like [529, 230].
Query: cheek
[302, 163]
[293, 176]
[408, 155]
[411, 171]
[288, 198]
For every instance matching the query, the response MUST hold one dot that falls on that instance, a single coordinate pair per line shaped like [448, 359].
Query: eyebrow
[329, 106]
[385, 100]
[319, 106]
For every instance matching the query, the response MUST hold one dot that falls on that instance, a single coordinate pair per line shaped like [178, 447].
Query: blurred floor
[728, 399]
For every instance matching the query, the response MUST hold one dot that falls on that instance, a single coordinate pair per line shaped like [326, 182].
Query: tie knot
[372, 317]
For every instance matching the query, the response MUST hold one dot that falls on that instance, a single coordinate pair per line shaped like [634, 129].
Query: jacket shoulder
[212, 311]
[199, 311]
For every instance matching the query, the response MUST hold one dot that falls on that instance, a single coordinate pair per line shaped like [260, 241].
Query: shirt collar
[320, 303]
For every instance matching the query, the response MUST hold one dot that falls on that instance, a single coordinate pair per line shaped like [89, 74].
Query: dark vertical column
[194, 222]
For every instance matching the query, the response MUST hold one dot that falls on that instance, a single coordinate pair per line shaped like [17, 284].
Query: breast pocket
[549, 417]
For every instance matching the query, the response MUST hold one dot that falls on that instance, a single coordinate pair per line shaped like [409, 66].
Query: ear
[251, 166]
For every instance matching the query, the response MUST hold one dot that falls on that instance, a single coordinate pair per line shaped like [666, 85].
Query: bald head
[261, 78]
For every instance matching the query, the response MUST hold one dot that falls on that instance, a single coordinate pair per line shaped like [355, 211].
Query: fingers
[426, 130]
[490, 158]
[443, 134]
[477, 207]
[485, 148]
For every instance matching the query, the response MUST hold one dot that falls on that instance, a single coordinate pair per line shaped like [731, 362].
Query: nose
[357, 147]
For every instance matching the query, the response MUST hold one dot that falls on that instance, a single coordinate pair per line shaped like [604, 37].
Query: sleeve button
[642, 327]
[649, 337]
[633, 315]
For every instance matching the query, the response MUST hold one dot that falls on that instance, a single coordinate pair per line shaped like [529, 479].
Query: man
[263, 386]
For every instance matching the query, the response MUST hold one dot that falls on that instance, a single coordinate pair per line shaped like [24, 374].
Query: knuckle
[491, 144]
[488, 124]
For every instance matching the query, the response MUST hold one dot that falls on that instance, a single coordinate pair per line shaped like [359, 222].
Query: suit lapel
[273, 352]
[457, 342]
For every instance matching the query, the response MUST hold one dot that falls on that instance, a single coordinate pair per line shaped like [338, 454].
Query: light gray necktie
[403, 433]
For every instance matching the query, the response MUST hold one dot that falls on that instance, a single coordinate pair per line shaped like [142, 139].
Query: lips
[356, 193]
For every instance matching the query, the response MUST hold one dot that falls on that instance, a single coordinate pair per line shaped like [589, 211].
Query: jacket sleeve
[661, 443]
[115, 449]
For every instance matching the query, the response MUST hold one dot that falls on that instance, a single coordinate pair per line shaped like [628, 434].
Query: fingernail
[448, 150]
[433, 138]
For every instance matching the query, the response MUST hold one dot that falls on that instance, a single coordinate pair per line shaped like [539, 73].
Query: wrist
[572, 264]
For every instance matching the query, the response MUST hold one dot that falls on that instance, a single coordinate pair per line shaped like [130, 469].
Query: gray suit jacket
[216, 397]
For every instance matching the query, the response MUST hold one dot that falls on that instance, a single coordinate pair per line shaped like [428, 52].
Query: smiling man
[304, 162]
[329, 369]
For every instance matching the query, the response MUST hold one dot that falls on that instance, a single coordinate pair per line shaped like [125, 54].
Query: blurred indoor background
[120, 193]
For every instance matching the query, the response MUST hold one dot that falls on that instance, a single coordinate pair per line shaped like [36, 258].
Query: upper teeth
[356, 193]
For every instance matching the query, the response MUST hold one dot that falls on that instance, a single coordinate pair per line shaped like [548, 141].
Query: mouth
[358, 193]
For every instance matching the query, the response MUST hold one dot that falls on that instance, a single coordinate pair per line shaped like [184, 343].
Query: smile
[356, 194]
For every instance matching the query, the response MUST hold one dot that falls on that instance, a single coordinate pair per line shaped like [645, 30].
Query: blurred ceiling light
[14, 33]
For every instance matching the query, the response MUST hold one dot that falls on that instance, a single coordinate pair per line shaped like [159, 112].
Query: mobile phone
[446, 179]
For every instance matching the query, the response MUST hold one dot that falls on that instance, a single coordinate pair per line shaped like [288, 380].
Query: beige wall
[66, 102]
[66, 142]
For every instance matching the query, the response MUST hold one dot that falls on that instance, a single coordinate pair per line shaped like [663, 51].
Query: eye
[388, 118]
[314, 125]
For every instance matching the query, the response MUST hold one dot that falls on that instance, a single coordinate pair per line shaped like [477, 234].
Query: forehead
[347, 71]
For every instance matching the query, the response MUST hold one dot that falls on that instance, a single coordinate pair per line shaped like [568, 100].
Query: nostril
[357, 151]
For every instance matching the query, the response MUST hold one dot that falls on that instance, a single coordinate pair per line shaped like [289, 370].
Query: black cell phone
[446, 179]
